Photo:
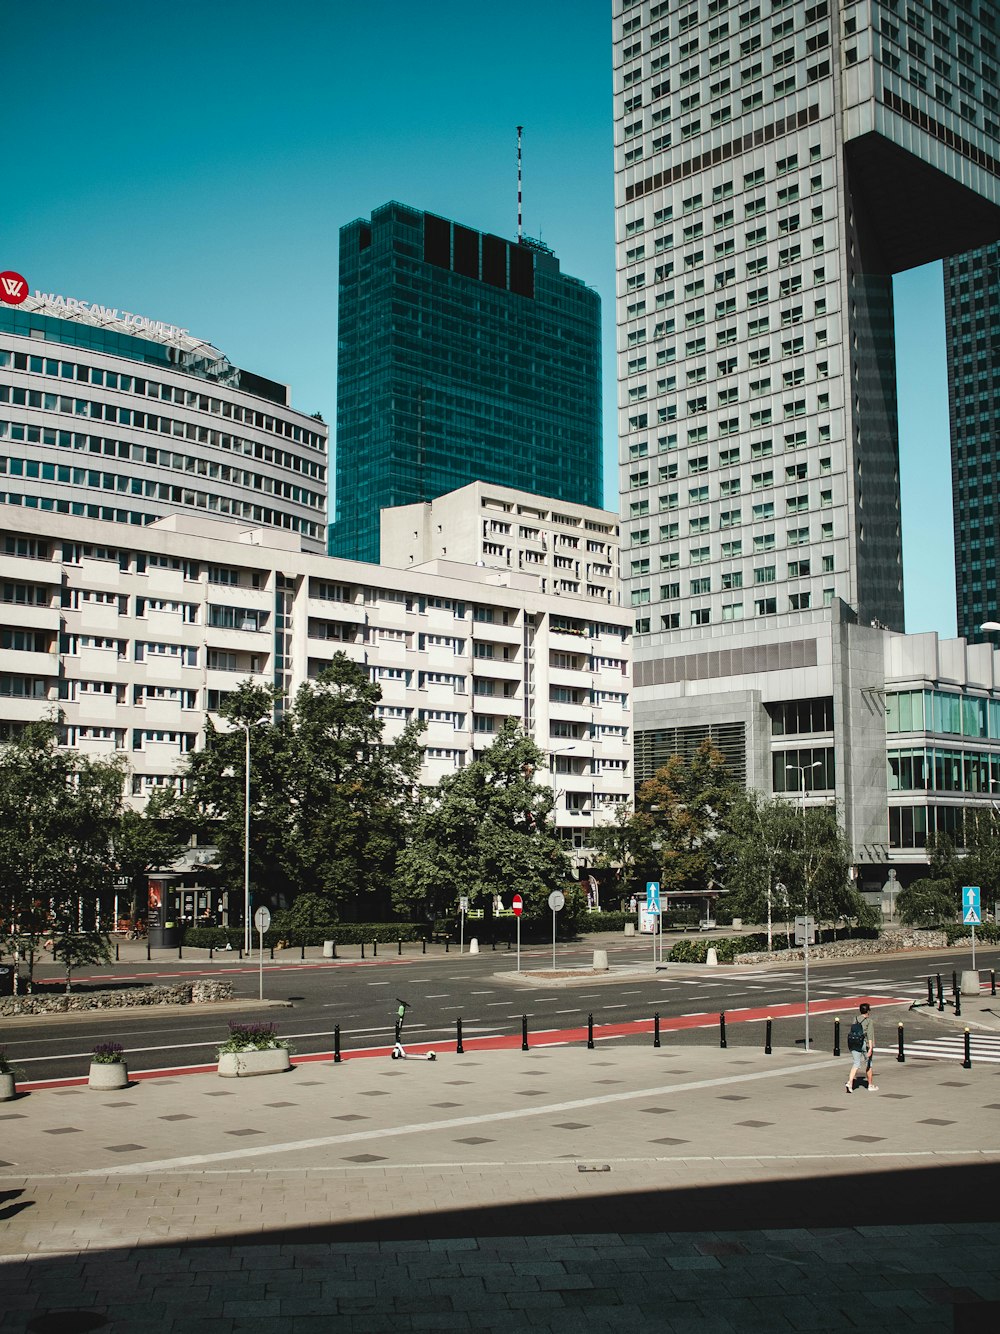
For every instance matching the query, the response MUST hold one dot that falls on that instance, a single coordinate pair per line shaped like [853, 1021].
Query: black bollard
[524, 1032]
[374, 949]
[930, 992]
[116, 952]
[399, 947]
[656, 1029]
[459, 1049]
[940, 993]
[149, 952]
[272, 954]
[954, 982]
[423, 945]
[336, 1044]
[722, 1029]
[590, 1032]
[993, 981]
[958, 1005]
[446, 944]
[362, 949]
[967, 1063]
[901, 1054]
[180, 951]
[211, 953]
[302, 953]
[767, 1038]
[493, 944]
[836, 1036]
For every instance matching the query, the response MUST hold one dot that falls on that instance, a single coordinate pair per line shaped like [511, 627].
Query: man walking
[861, 1044]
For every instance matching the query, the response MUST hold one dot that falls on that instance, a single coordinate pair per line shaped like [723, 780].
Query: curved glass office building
[105, 415]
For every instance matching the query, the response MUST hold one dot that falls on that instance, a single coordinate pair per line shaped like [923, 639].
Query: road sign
[517, 903]
[463, 904]
[262, 919]
[557, 900]
[971, 914]
[652, 896]
[805, 930]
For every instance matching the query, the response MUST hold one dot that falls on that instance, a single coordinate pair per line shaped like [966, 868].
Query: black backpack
[856, 1037]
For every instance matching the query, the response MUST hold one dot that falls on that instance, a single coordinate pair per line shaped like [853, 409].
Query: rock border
[181, 993]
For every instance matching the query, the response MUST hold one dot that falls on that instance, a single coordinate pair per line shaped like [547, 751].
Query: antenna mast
[519, 129]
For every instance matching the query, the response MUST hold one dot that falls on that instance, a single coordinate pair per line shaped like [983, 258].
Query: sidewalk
[691, 1188]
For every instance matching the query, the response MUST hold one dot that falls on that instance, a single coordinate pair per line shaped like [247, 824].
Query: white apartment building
[138, 633]
[571, 550]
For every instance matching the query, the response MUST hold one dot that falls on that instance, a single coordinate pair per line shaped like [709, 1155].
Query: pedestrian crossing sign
[971, 915]
[653, 896]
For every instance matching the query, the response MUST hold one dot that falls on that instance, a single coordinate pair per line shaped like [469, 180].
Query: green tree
[624, 845]
[485, 830]
[687, 803]
[58, 815]
[927, 902]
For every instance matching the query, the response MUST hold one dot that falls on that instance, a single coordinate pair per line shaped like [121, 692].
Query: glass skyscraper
[972, 321]
[462, 357]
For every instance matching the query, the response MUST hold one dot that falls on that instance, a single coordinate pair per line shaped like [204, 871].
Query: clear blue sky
[193, 163]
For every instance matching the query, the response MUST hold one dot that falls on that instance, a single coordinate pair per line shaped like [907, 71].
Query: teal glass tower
[462, 357]
[972, 324]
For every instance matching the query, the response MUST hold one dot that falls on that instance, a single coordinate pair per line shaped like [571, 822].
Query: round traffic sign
[262, 919]
[517, 903]
[557, 900]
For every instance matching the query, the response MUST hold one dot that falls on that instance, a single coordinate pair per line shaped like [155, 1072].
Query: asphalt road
[361, 997]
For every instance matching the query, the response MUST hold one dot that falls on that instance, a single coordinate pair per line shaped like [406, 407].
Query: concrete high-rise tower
[777, 161]
[462, 357]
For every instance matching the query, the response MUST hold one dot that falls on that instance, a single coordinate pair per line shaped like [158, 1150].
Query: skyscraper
[972, 322]
[462, 357]
[777, 162]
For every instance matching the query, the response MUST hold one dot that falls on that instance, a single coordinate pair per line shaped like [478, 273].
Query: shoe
[872, 1088]
[849, 1087]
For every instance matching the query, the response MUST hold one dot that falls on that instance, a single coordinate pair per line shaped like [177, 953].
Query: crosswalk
[982, 1047]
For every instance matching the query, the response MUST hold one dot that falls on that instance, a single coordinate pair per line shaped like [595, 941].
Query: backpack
[856, 1037]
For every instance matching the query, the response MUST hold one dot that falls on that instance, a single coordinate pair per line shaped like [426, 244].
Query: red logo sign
[13, 288]
[516, 905]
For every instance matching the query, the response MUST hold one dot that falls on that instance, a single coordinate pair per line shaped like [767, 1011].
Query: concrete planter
[252, 1061]
[8, 1089]
[105, 1075]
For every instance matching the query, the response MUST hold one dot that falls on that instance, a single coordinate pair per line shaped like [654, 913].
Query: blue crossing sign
[652, 896]
[971, 915]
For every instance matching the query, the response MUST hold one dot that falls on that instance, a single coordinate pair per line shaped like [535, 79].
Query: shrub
[926, 903]
[987, 934]
[107, 1053]
[254, 1036]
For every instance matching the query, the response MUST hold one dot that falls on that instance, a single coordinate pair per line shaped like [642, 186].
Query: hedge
[343, 933]
[987, 934]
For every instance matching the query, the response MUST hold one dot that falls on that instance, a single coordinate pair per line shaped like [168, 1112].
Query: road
[361, 997]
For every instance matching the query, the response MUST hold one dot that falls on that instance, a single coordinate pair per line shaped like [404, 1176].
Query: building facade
[138, 634]
[462, 356]
[972, 326]
[126, 420]
[776, 164]
[572, 550]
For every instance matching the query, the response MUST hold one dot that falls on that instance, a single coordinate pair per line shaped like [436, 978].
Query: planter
[253, 1061]
[8, 1089]
[105, 1075]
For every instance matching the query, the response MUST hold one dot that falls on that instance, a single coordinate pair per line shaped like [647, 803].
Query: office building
[462, 357]
[972, 323]
[776, 163]
[571, 550]
[139, 633]
[109, 415]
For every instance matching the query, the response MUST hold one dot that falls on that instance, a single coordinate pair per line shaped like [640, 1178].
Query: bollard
[374, 949]
[656, 1029]
[954, 982]
[336, 1044]
[149, 952]
[423, 945]
[459, 1049]
[590, 1032]
[958, 1005]
[493, 944]
[722, 1028]
[940, 993]
[767, 1038]
[993, 981]
[901, 1055]
[302, 953]
[836, 1036]
[211, 953]
[116, 952]
[180, 951]
[362, 949]
[524, 1032]
[930, 992]
[399, 947]
[967, 1063]
[446, 944]
[272, 954]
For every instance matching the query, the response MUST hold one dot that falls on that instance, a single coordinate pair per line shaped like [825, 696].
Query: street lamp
[247, 932]
[802, 770]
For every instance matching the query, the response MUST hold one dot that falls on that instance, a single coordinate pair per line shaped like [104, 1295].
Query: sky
[193, 163]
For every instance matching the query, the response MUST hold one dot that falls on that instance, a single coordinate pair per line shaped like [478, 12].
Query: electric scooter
[399, 1052]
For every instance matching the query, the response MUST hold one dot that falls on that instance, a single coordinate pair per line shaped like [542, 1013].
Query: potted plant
[8, 1078]
[253, 1049]
[107, 1067]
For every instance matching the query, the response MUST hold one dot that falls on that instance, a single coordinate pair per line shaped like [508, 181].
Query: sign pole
[518, 942]
[557, 902]
[973, 930]
[553, 940]
[805, 955]
[260, 941]
[262, 921]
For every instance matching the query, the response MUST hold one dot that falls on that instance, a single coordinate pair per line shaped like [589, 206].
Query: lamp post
[992, 627]
[802, 770]
[246, 724]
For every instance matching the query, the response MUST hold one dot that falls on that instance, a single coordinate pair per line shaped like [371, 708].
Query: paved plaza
[685, 1187]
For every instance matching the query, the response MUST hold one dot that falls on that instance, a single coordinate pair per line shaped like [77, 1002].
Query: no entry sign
[516, 905]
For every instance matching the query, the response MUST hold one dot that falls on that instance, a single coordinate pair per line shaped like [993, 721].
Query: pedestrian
[861, 1044]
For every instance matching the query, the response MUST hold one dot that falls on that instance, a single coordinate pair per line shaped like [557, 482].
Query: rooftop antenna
[519, 130]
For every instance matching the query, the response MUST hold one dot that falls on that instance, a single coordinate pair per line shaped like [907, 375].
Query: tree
[687, 802]
[58, 816]
[484, 831]
[926, 902]
[624, 845]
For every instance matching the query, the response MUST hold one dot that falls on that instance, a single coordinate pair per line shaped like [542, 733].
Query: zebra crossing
[982, 1047]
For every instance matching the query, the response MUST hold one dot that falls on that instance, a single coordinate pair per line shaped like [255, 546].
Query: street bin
[166, 937]
[6, 979]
